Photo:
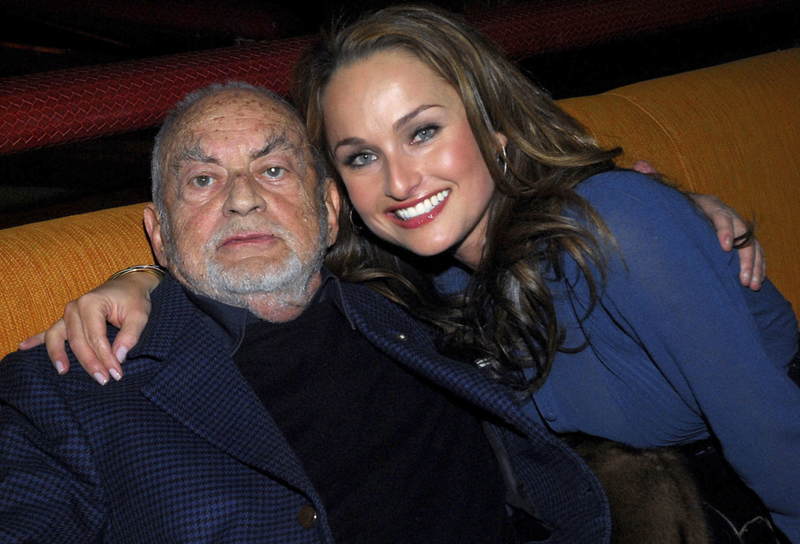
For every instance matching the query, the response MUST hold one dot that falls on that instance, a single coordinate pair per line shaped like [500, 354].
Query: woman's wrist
[154, 269]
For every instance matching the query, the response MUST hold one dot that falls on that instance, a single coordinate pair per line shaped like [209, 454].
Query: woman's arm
[721, 348]
[124, 302]
[729, 226]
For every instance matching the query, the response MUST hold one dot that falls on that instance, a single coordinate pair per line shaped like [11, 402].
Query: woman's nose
[403, 177]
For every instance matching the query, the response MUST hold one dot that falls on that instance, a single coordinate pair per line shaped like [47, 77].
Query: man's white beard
[287, 284]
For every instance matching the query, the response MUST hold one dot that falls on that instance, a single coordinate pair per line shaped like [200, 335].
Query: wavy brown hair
[506, 317]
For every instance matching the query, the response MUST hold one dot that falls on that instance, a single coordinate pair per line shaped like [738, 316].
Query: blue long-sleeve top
[677, 348]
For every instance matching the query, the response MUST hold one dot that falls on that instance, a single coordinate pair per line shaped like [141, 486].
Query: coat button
[401, 336]
[307, 516]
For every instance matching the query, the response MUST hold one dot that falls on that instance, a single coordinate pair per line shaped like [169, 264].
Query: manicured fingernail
[114, 373]
[121, 353]
[102, 380]
[23, 344]
[59, 367]
[746, 277]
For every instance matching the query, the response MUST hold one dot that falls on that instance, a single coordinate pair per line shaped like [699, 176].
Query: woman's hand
[752, 263]
[729, 225]
[123, 302]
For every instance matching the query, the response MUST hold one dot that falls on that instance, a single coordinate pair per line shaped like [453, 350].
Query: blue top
[677, 347]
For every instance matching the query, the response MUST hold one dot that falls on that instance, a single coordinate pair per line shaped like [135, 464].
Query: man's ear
[152, 225]
[332, 202]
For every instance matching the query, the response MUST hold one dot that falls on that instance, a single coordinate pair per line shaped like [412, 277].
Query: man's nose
[402, 178]
[243, 196]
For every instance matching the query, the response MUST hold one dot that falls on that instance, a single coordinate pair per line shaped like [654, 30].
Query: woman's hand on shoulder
[729, 225]
[124, 302]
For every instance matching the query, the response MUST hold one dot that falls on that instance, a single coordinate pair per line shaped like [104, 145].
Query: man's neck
[275, 306]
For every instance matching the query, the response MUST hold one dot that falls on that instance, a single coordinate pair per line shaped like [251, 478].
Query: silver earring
[356, 228]
[504, 160]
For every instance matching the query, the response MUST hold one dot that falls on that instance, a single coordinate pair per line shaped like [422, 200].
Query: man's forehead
[270, 126]
[229, 109]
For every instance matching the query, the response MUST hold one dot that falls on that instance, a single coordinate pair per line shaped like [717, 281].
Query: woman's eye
[424, 134]
[203, 181]
[274, 171]
[360, 159]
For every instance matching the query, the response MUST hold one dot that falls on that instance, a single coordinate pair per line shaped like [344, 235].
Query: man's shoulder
[169, 300]
[382, 320]
[30, 384]
[20, 367]
[171, 312]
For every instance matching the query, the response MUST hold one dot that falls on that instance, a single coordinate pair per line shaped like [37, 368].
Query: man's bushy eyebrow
[280, 140]
[186, 154]
[285, 142]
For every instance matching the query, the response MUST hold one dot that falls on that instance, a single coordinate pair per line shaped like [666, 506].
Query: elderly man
[267, 401]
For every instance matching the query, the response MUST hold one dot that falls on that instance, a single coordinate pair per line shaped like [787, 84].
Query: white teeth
[423, 207]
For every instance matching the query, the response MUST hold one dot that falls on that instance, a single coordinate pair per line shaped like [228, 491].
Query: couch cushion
[48, 264]
[731, 130]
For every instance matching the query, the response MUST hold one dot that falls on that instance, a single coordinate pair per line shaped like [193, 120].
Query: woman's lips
[421, 212]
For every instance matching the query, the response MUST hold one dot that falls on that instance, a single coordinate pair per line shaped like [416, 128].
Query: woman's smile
[421, 210]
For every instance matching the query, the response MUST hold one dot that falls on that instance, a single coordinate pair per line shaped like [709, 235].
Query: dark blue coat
[182, 450]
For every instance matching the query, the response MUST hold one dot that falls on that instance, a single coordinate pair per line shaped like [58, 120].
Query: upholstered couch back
[731, 130]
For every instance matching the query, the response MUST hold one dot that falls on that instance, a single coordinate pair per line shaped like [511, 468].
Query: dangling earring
[503, 160]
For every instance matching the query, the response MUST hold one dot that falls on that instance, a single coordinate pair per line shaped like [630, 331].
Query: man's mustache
[248, 227]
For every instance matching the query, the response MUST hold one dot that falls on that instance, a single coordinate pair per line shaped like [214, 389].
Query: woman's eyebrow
[398, 125]
[348, 141]
[404, 120]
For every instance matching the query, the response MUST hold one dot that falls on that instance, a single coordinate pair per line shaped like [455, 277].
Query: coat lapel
[411, 344]
[201, 387]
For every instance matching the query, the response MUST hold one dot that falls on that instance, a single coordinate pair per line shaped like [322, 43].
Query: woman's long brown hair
[506, 318]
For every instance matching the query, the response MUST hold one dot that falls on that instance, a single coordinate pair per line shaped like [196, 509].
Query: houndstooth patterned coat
[182, 450]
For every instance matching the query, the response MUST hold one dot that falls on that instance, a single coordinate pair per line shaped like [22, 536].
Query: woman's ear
[502, 141]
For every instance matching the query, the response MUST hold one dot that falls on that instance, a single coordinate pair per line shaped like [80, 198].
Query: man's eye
[360, 159]
[274, 171]
[203, 181]
[424, 134]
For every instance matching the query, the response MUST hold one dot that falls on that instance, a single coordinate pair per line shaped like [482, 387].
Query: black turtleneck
[393, 457]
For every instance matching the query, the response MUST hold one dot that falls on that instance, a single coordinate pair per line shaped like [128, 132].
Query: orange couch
[731, 130]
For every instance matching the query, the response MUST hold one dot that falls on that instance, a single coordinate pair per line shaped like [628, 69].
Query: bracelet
[154, 269]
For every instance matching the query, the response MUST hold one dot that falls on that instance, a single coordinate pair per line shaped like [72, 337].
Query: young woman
[599, 294]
